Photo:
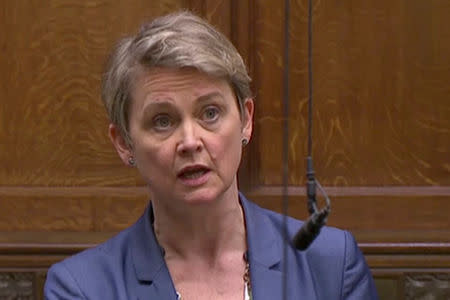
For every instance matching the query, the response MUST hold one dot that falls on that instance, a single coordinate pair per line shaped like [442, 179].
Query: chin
[202, 197]
[199, 198]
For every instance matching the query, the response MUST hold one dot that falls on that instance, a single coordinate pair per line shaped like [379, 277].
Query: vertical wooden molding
[242, 22]
[39, 281]
[390, 286]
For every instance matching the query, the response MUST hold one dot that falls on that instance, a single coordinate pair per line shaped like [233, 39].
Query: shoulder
[81, 276]
[328, 235]
[333, 262]
[330, 243]
[105, 253]
[327, 251]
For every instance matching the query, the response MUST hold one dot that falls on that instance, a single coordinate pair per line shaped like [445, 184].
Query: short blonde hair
[176, 40]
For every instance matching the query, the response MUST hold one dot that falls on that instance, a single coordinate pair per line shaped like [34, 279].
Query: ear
[247, 122]
[119, 142]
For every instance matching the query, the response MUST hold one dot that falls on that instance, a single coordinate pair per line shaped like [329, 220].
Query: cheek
[226, 150]
[153, 158]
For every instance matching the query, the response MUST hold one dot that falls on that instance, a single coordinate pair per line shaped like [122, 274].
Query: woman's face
[186, 134]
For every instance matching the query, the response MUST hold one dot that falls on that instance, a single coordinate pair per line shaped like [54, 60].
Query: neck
[206, 231]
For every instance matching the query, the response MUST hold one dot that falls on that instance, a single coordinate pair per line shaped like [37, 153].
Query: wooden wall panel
[381, 128]
[54, 125]
[71, 209]
[108, 209]
[268, 77]
[371, 211]
[381, 109]
[396, 115]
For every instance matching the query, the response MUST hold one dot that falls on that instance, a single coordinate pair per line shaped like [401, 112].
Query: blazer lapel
[266, 283]
[153, 277]
[264, 252]
[265, 246]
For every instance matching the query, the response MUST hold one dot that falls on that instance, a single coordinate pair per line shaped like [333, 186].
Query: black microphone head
[310, 230]
[306, 235]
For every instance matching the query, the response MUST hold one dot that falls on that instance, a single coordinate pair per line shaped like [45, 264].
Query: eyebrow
[159, 103]
[168, 102]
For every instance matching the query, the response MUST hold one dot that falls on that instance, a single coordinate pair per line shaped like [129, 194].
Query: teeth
[193, 174]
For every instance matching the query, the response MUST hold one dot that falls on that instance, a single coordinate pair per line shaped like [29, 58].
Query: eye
[210, 114]
[162, 122]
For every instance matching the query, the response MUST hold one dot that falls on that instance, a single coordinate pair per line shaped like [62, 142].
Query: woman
[181, 110]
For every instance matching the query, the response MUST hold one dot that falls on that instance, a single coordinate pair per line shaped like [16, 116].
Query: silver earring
[244, 142]
[131, 161]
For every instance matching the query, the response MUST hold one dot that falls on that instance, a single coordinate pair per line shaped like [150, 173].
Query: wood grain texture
[54, 127]
[401, 242]
[381, 125]
[218, 13]
[70, 212]
[108, 208]
[268, 40]
[54, 243]
[196, 6]
[381, 104]
[410, 261]
[28, 262]
[242, 36]
[378, 211]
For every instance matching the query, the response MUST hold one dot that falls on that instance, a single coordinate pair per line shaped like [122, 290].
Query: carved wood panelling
[381, 130]
[398, 285]
[427, 286]
[14, 286]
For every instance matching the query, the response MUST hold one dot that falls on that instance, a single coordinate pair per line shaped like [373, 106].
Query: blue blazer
[131, 265]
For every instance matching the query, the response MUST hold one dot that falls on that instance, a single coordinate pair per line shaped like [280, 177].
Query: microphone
[311, 228]
[310, 186]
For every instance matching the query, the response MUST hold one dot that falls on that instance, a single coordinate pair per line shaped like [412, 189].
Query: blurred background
[381, 128]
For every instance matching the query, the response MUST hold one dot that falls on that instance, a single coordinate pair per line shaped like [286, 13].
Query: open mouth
[193, 172]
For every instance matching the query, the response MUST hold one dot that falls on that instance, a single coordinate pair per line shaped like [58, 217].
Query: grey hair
[177, 40]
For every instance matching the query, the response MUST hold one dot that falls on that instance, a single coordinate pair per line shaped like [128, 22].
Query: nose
[190, 141]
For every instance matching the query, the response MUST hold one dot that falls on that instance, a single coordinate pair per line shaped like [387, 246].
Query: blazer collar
[263, 241]
[154, 281]
[264, 252]
[147, 254]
